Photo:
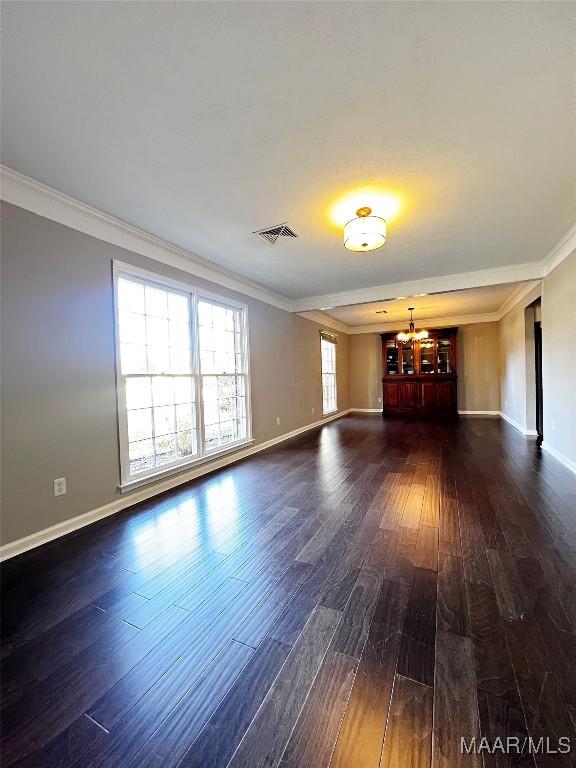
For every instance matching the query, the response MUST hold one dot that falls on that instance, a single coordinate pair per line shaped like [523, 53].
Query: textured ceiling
[473, 301]
[202, 122]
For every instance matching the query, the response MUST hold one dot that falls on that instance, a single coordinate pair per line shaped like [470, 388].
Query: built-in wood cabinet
[419, 377]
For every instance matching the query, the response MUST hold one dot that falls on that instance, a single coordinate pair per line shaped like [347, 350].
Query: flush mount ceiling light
[366, 232]
[411, 334]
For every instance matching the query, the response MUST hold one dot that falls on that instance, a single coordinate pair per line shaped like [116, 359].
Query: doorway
[538, 369]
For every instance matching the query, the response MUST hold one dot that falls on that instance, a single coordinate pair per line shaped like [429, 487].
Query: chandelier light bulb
[411, 334]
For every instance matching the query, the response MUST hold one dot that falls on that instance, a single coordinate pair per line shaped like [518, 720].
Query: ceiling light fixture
[411, 334]
[366, 232]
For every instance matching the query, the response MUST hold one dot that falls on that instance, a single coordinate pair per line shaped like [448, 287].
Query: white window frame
[335, 409]
[128, 481]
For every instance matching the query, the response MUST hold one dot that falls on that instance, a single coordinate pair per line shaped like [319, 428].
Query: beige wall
[559, 359]
[365, 371]
[58, 375]
[478, 367]
[557, 314]
[517, 367]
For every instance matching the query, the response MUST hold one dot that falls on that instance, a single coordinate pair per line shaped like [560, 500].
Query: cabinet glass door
[427, 356]
[391, 357]
[407, 358]
[444, 356]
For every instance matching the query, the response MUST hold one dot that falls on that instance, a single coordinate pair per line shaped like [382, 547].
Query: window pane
[133, 357]
[164, 420]
[158, 359]
[156, 301]
[179, 334]
[186, 443]
[156, 331]
[132, 327]
[186, 425]
[165, 447]
[141, 456]
[138, 392]
[220, 344]
[130, 296]
[183, 390]
[158, 320]
[224, 405]
[207, 362]
[328, 357]
[139, 424]
[163, 390]
[179, 360]
[178, 308]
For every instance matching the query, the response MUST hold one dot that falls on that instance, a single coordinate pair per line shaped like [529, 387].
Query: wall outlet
[313, 410]
[379, 400]
[277, 421]
[60, 486]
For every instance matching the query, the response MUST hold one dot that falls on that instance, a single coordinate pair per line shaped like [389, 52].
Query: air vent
[271, 234]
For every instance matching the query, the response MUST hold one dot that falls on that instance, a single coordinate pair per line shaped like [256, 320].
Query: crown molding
[561, 250]
[529, 289]
[25, 192]
[327, 321]
[32, 195]
[521, 292]
[528, 271]
[427, 322]
[495, 276]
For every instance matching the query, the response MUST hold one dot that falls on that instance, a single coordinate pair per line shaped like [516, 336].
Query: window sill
[138, 482]
[329, 413]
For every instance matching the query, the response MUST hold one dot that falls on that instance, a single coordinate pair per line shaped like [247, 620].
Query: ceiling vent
[271, 234]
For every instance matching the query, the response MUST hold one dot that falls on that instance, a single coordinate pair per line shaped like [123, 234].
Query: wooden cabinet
[419, 378]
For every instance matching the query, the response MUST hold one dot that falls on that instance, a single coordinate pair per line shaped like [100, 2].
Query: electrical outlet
[277, 421]
[60, 486]
[313, 410]
[379, 400]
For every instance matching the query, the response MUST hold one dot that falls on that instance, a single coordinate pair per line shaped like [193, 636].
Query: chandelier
[366, 232]
[411, 334]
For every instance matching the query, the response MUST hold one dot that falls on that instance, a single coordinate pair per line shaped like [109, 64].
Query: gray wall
[58, 374]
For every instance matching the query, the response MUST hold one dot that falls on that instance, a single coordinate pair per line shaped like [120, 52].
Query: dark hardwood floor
[365, 595]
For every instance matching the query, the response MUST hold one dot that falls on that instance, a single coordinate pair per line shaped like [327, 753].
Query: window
[182, 375]
[222, 373]
[328, 351]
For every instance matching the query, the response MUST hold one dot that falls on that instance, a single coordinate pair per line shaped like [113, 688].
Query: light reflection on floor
[208, 520]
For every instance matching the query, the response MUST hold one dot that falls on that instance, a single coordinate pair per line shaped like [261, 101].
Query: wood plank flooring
[363, 596]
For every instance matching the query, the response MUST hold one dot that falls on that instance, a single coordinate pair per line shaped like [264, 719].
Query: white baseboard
[559, 457]
[518, 426]
[366, 410]
[14, 548]
[494, 414]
